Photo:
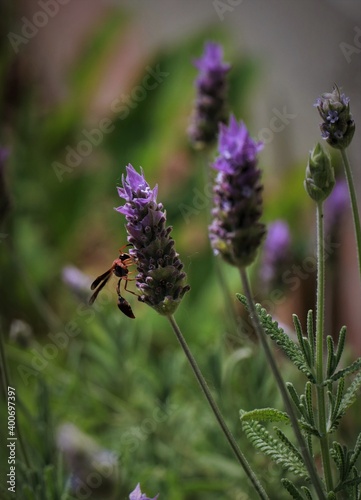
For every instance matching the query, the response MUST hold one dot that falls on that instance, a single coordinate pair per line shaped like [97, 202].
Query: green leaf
[287, 443]
[309, 407]
[354, 367]
[349, 396]
[311, 334]
[265, 415]
[340, 345]
[277, 334]
[274, 448]
[302, 341]
[292, 490]
[356, 452]
[335, 405]
[307, 492]
[331, 358]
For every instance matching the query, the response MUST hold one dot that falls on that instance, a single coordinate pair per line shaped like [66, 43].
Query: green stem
[217, 413]
[355, 212]
[282, 387]
[321, 403]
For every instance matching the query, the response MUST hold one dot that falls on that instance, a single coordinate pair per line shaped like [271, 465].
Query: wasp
[120, 270]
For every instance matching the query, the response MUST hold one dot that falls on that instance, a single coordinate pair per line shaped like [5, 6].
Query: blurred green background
[125, 383]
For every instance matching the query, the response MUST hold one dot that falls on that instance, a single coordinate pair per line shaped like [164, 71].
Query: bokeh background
[104, 398]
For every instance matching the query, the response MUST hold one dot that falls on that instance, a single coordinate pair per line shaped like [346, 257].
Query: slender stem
[282, 387]
[217, 413]
[355, 212]
[321, 403]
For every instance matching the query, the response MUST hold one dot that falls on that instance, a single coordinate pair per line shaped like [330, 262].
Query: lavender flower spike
[211, 96]
[138, 495]
[236, 232]
[160, 278]
[338, 126]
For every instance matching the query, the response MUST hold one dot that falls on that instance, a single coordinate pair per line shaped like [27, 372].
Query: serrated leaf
[307, 492]
[335, 405]
[331, 358]
[277, 334]
[356, 452]
[308, 394]
[354, 367]
[273, 448]
[349, 397]
[340, 345]
[287, 443]
[292, 490]
[302, 341]
[311, 334]
[265, 415]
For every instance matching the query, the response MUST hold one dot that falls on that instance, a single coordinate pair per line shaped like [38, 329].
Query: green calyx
[320, 177]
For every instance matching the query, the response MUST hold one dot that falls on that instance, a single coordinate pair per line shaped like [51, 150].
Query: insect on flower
[120, 270]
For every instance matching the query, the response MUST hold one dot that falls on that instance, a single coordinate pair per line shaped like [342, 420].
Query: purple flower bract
[236, 232]
[138, 495]
[211, 87]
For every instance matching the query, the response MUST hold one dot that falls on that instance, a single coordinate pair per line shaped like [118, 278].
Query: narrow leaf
[292, 490]
[340, 344]
[331, 359]
[354, 367]
[309, 406]
[311, 334]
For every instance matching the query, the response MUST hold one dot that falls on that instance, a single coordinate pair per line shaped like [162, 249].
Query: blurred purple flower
[78, 282]
[138, 495]
[276, 252]
[210, 108]
[236, 232]
[160, 278]
[338, 126]
[336, 204]
[86, 459]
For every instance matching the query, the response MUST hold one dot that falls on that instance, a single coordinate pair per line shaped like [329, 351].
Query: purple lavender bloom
[276, 252]
[236, 232]
[160, 278]
[338, 126]
[336, 204]
[138, 495]
[78, 282]
[210, 108]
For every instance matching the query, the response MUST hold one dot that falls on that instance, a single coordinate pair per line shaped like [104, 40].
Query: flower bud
[338, 126]
[320, 177]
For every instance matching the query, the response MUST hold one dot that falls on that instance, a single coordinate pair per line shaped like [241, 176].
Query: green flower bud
[320, 177]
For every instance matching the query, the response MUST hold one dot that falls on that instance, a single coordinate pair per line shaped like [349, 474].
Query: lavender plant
[338, 128]
[236, 233]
